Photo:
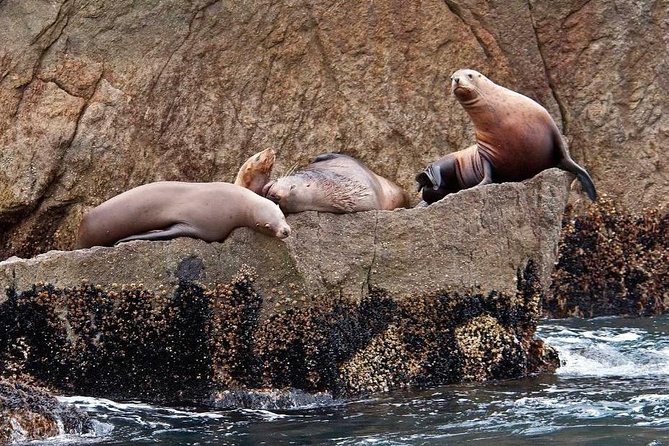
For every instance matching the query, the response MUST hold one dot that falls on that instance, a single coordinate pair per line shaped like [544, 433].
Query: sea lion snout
[283, 231]
[268, 193]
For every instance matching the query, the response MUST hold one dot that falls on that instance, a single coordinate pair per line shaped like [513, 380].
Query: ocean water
[613, 389]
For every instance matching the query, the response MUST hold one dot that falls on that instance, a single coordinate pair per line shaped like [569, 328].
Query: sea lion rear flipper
[327, 156]
[174, 231]
[570, 165]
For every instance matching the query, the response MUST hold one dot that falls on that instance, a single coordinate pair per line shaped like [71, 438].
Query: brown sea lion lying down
[337, 183]
[170, 209]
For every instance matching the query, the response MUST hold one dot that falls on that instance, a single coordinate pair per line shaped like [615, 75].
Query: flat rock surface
[347, 305]
[474, 240]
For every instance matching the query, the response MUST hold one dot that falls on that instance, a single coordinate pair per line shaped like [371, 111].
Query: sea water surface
[612, 389]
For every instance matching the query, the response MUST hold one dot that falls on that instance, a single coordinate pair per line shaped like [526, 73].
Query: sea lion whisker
[290, 171]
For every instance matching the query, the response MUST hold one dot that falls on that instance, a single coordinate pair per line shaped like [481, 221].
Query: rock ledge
[348, 304]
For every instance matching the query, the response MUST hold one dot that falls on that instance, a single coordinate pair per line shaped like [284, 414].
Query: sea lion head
[291, 192]
[468, 86]
[256, 170]
[270, 220]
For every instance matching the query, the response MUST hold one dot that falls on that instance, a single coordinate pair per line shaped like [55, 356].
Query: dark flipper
[433, 173]
[430, 178]
[328, 156]
[487, 172]
[174, 231]
[570, 165]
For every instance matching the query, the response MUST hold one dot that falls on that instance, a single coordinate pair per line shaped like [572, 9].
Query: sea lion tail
[570, 166]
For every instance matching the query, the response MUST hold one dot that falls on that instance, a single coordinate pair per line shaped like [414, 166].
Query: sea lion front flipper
[487, 172]
[174, 231]
[433, 173]
[423, 180]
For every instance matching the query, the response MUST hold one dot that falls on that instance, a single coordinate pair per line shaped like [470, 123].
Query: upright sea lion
[170, 209]
[256, 171]
[337, 183]
[516, 138]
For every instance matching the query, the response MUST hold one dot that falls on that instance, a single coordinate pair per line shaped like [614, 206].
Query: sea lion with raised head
[256, 171]
[170, 209]
[337, 183]
[516, 138]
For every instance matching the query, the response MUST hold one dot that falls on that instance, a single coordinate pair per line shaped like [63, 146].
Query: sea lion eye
[470, 76]
[293, 186]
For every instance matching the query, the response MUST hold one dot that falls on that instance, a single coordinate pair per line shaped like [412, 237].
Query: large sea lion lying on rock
[337, 183]
[516, 138]
[170, 209]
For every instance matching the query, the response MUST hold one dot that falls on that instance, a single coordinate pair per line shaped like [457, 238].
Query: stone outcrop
[29, 413]
[611, 263]
[348, 304]
[96, 98]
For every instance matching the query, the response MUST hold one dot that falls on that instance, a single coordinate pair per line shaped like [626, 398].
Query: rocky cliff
[97, 97]
[348, 304]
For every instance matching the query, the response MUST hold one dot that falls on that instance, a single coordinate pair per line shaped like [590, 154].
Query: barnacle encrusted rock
[29, 413]
[611, 262]
[348, 304]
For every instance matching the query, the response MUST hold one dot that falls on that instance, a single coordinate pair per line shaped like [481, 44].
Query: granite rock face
[348, 304]
[98, 97]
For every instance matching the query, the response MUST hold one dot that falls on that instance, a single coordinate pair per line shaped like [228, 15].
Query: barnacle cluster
[611, 262]
[193, 341]
[31, 413]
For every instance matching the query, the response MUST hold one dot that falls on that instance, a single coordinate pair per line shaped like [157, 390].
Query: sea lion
[256, 171]
[516, 138]
[170, 209]
[337, 183]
